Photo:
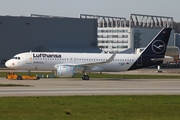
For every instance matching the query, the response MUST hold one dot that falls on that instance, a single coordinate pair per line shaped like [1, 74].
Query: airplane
[70, 64]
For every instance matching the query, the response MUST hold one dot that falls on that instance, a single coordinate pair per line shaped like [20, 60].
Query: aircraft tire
[19, 78]
[85, 77]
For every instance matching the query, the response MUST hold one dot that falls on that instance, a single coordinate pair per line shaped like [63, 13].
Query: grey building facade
[119, 34]
[22, 34]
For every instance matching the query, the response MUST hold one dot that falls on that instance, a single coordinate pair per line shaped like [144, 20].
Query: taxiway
[76, 86]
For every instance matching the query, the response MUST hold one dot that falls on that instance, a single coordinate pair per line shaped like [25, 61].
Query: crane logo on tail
[158, 46]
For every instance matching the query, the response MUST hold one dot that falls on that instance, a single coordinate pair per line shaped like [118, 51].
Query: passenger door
[28, 59]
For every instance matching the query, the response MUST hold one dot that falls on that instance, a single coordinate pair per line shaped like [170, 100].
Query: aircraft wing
[97, 63]
[89, 65]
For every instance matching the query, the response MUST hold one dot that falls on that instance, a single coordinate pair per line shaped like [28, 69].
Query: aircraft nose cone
[7, 64]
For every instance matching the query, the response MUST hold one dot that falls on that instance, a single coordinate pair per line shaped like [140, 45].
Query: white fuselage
[47, 61]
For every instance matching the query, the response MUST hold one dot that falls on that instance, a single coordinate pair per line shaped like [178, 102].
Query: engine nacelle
[65, 71]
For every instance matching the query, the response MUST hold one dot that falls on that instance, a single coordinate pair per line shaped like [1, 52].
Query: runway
[76, 86]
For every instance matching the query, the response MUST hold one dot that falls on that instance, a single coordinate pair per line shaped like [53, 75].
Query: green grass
[131, 76]
[105, 75]
[158, 107]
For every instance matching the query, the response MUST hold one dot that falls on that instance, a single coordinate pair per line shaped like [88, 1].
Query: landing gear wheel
[19, 78]
[85, 77]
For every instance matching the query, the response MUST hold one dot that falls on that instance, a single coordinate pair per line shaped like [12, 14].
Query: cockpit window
[16, 58]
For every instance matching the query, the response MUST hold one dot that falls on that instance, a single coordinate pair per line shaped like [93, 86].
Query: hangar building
[46, 33]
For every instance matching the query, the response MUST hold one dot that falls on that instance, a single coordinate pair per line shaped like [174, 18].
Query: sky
[72, 8]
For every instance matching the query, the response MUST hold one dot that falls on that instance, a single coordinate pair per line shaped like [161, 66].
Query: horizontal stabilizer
[166, 59]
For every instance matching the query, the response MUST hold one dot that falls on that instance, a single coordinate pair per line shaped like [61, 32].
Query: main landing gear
[85, 77]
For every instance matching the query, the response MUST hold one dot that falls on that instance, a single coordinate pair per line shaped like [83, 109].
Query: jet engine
[65, 71]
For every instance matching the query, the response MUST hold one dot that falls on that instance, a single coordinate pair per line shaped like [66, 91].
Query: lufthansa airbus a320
[70, 64]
